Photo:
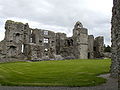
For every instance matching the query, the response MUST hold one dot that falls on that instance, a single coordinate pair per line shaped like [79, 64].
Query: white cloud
[59, 15]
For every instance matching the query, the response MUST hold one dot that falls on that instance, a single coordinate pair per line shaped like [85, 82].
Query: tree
[107, 49]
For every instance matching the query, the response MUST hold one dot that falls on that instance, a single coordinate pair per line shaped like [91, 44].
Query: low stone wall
[107, 55]
[6, 60]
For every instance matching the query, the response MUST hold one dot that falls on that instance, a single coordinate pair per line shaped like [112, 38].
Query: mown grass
[54, 73]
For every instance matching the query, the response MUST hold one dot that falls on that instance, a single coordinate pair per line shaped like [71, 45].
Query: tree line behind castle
[24, 43]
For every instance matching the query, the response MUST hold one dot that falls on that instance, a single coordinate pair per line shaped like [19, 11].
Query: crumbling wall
[75, 46]
[49, 43]
[60, 42]
[90, 46]
[67, 51]
[115, 34]
[99, 47]
[2, 51]
[37, 36]
[27, 34]
[35, 51]
[16, 35]
[14, 32]
[46, 39]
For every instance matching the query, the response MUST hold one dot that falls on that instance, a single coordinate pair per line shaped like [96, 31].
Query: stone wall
[68, 51]
[35, 51]
[16, 35]
[115, 32]
[75, 47]
[90, 46]
[107, 54]
[60, 42]
[99, 47]
[47, 40]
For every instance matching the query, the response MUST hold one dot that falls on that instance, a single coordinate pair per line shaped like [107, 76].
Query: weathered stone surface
[90, 46]
[99, 47]
[80, 37]
[22, 42]
[16, 35]
[115, 32]
[35, 52]
[107, 55]
[60, 42]
[75, 47]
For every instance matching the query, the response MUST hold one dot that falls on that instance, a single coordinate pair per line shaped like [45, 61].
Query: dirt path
[110, 85]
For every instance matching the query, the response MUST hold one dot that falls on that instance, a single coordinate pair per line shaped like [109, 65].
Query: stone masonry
[115, 32]
[99, 47]
[24, 43]
[90, 46]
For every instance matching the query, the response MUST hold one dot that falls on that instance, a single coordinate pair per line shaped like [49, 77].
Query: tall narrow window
[22, 48]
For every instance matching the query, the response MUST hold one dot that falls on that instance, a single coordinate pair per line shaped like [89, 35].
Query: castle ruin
[24, 43]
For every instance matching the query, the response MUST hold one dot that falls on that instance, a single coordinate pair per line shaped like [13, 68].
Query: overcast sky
[59, 15]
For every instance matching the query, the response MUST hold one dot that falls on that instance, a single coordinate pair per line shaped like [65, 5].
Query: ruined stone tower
[115, 32]
[80, 36]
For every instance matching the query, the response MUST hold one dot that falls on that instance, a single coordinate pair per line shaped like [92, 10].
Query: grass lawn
[54, 73]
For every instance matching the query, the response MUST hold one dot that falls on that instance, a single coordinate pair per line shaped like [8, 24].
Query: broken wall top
[11, 25]
[16, 31]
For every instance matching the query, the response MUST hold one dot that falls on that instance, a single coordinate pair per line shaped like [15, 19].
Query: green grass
[54, 73]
